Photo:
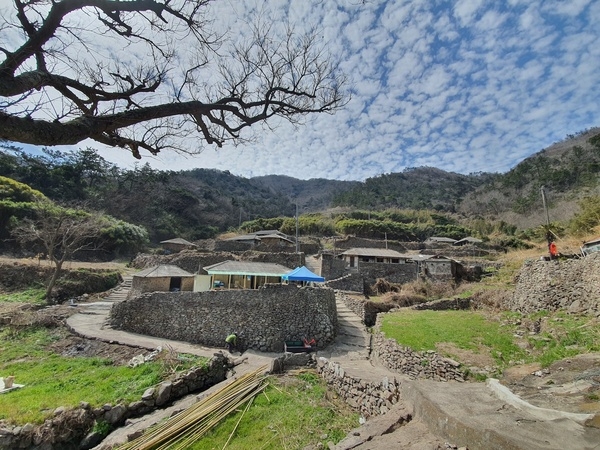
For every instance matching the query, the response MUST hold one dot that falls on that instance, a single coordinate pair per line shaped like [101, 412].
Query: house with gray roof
[176, 245]
[354, 256]
[162, 278]
[245, 274]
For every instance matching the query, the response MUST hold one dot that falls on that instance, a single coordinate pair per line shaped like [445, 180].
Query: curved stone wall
[264, 318]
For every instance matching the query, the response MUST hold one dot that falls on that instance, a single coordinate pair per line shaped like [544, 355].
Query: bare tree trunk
[52, 282]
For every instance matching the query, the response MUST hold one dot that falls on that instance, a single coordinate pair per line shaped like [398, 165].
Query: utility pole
[545, 207]
[551, 245]
[296, 228]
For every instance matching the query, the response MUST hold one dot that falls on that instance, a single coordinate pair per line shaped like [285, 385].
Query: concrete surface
[473, 415]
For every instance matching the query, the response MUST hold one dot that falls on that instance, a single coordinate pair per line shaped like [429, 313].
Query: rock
[115, 415]
[148, 394]
[91, 440]
[163, 393]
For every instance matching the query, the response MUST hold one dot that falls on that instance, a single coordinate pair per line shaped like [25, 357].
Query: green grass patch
[422, 330]
[31, 295]
[292, 413]
[52, 380]
[564, 336]
[561, 336]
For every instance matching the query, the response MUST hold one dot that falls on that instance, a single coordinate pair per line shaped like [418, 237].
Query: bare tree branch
[58, 86]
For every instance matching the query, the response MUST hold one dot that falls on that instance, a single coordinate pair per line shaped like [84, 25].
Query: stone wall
[357, 242]
[393, 273]
[573, 285]
[193, 260]
[71, 428]
[428, 364]
[355, 305]
[331, 267]
[444, 304]
[370, 399]
[353, 282]
[264, 318]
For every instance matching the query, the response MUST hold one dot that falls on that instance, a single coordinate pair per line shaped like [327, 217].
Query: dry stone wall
[428, 364]
[572, 285]
[370, 399]
[71, 428]
[393, 273]
[264, 318]
[193, 260]
[357, 242]
[353, 282]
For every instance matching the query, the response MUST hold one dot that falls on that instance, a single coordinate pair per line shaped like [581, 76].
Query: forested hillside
[569, 171]
[199, 203]
[192, 204]
[415, 188]
[312, 195]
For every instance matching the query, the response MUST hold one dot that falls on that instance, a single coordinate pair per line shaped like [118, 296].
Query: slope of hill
[198, 203]
[568, 170]
[415, 188]
[315, 194]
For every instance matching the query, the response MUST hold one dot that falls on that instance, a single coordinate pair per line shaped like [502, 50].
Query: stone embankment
[428, 364]
[572, 285]
[264, 318]
[72, 428]
[369, 398]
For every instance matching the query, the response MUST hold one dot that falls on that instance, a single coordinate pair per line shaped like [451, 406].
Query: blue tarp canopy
[302, 274]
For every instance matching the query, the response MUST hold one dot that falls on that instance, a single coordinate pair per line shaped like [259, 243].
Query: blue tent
[302, 274]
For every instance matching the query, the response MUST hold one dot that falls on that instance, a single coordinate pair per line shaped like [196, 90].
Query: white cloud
[467, 87]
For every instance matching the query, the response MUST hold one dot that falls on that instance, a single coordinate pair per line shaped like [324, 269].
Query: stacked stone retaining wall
[393, 273]
[427, 364]
[370, 399]
[71, 428]
[193, 260]
[353, 282]
[572, 285]
[264, 318]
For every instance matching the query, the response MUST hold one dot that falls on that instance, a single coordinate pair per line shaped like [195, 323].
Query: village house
[163, 278]
[244, 274]
[176, 245]
[436, 266]
[354, 256]
[265, 237]
[592, 246]
[468, 240]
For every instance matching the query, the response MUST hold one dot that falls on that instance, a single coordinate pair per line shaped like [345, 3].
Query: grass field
[52, 380]
[504, 337]
[292, 413]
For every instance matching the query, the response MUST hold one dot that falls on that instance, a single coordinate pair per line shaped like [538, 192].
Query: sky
[465, 86]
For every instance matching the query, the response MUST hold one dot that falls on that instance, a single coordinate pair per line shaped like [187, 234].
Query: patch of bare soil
[75, 346]
[480, 360]
[66, 344]
[571, 384]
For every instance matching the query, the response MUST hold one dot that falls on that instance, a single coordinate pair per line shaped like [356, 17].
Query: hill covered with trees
[200, 203]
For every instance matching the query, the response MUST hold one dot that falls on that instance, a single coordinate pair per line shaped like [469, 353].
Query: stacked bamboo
[189, 426]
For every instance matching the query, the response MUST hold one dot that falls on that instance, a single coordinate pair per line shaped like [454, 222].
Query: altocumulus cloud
[465, 86]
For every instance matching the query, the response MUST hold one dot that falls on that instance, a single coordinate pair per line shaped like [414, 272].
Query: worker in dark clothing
[231, 342]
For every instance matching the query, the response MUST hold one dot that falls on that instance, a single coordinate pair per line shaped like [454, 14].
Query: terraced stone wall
[572, 285]
[263, 318]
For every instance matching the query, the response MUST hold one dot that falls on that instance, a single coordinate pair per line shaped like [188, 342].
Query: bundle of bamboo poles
[189, 426]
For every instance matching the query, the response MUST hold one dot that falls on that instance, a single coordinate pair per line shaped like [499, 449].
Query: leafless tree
[61, 232]
[64, 76]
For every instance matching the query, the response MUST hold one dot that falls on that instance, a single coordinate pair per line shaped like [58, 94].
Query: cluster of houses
[235, 274]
